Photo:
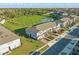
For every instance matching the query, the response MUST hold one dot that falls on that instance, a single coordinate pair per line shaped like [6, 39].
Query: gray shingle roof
[6, 35]
[42, 27]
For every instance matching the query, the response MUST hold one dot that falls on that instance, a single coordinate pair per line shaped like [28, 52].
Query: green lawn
[23, 21]
[27, 47]
[18, 25]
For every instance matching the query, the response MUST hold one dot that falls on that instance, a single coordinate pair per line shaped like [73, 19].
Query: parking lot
[60, 45]
[56, 48]
[74, 32]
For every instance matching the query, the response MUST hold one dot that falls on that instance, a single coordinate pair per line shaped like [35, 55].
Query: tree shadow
[21, 32]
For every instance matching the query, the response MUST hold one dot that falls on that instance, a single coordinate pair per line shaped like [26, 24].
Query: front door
[9, 48]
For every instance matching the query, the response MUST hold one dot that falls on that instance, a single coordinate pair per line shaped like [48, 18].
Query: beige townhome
[39, 31]
[67, 21]
[8, 40]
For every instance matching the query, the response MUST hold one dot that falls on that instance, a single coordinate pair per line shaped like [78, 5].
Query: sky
[39, 5]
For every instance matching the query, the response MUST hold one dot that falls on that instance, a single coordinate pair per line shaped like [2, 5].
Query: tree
[54, 16]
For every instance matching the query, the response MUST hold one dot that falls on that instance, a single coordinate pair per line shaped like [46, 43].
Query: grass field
[23, 21]
[18, 25]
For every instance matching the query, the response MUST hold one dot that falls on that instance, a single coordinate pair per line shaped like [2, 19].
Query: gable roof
[6, 35]
[42, 27]
[65, 19]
